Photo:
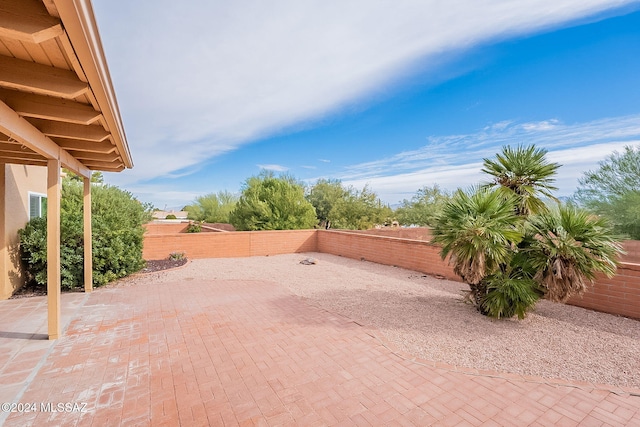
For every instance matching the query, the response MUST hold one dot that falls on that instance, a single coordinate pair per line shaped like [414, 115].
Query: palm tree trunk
[478, 292]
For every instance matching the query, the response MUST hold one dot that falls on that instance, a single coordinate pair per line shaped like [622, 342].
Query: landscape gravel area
[427, 318]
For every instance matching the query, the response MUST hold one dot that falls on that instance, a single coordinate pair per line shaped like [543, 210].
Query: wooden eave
[56, 96]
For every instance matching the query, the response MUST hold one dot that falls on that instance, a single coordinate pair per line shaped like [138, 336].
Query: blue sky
[396, 95]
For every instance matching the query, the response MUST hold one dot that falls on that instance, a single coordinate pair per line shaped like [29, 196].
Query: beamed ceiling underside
[49, 107]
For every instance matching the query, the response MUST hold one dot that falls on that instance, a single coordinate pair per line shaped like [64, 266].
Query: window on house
[37, 205]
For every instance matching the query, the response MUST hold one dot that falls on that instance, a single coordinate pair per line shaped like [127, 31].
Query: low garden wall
[228, 245]
[413, 233]
[410, 254]
[619, 295]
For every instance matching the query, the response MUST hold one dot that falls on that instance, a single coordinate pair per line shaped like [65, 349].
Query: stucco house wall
[18, 182]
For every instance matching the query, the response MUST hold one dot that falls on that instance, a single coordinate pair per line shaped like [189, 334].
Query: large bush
[272, 203]
[117, 228]
[213, 207]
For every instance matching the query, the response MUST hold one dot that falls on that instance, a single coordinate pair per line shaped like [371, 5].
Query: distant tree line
[270, 202]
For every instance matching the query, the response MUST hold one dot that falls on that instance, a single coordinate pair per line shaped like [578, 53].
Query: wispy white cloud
[275, 168]
[578, 147]
[172, 198]
[540, 126]
[198, 79]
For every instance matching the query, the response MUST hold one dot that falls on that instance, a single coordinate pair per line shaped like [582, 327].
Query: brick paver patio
[249, 353]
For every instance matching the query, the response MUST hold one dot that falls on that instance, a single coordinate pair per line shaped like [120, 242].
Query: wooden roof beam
[27, 20]
[104, 166]
[49, 108]
[18, 129]
[17, 161]
[13, 146]
[41, 79]
[69, 130]
[104, 147]
[22, 155]
[81, 27]
[89, 157]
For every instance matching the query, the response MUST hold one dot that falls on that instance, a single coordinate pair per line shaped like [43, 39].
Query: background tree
[268, 202]
[613, 191]
[324, 196]
[424, 206]
[359, 210]
[96, 176]
[213, 207]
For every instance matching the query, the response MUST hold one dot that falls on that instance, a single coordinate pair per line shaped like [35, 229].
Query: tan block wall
[17, 181]
[416, 233]
[410, 254]
[230, 244]
[632, 249]
[618, 295]
[165, 228]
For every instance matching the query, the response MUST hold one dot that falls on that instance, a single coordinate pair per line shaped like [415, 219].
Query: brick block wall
[618, 295]
[632, 249]
[165, 228]
[230, 244]
[410, 254]
[415, 233]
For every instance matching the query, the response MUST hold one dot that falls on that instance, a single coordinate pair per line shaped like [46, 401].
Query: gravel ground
[426, 317]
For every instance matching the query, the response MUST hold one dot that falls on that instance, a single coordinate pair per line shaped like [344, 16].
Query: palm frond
[509, 294]
[477, 229]
[568, 248]
[524, 172]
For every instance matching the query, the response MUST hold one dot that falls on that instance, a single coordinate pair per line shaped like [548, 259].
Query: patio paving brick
[224, 352]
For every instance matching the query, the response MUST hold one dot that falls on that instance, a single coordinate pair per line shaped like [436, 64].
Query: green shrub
[117, 228]
[171, 216]
[508, 296]
[272, 203]
[194, 227]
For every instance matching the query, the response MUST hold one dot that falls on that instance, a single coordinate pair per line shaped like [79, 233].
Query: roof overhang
[56, 96]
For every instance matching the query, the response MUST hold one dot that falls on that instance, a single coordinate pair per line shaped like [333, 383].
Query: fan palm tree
[511, 249]
[478, 230]
[525, 173]
[567, 247]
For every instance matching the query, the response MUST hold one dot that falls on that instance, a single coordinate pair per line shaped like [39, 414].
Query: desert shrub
[170, 216]
[117, 228]
[509, 295]
[194, 227]
[272, 203]
[213, 207]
